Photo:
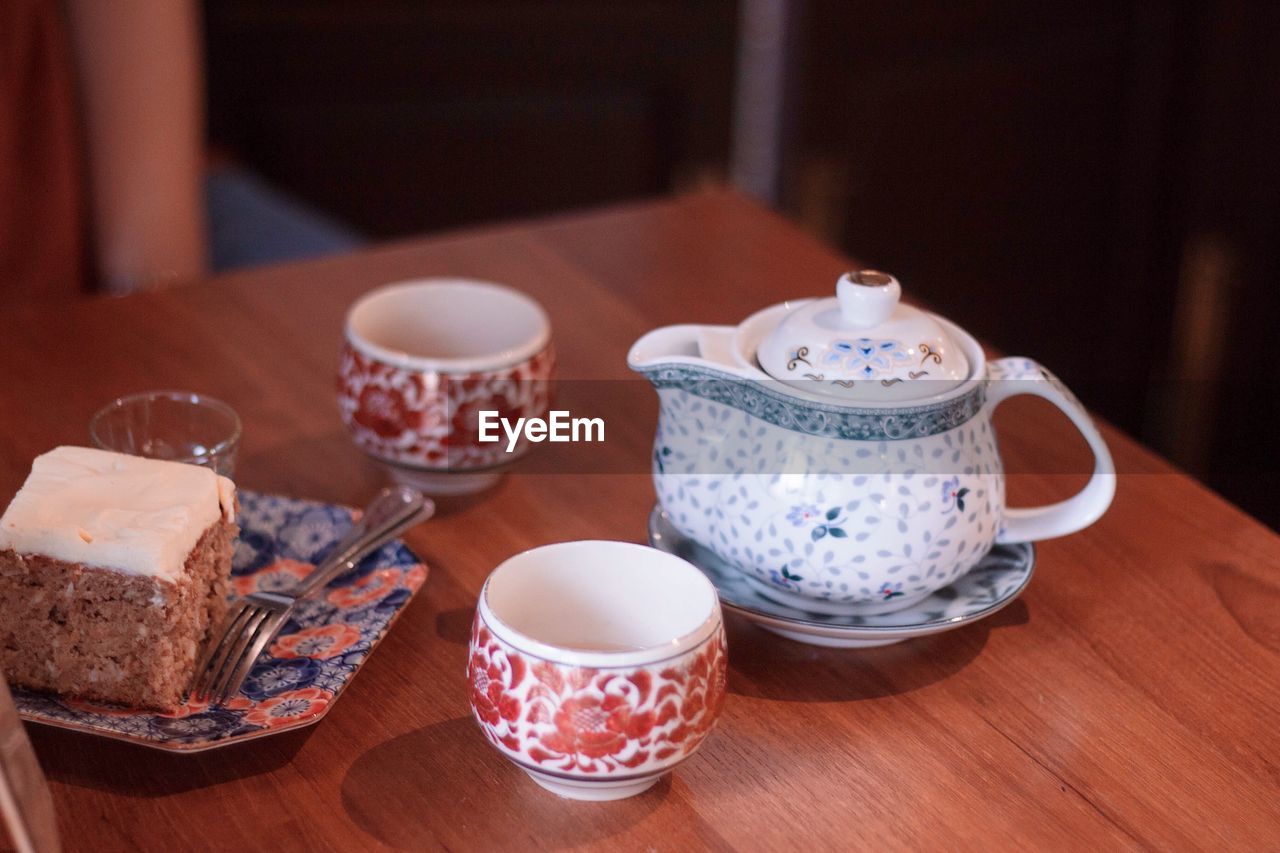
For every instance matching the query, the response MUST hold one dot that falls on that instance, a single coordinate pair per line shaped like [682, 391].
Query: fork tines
[248, 628]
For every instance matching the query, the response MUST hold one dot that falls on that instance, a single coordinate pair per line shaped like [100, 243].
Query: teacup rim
[498, 360]
[686, 643]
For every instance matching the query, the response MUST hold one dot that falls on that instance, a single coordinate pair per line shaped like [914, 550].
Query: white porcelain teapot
[840, 451]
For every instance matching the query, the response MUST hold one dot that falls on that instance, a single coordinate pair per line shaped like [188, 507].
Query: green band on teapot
[784, 409]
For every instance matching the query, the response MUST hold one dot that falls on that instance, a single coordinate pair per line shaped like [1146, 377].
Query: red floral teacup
[422, 360]
[596, 667]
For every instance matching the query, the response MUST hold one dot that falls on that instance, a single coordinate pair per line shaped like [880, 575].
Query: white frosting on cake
[114, 511]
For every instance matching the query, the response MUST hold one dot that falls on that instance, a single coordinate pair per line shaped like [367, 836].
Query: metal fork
[254, 620]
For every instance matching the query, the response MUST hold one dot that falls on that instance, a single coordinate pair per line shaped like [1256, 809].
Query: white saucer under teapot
[840, 453]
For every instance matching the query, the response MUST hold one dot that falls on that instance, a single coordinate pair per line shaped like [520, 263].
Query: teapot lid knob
[867, 298]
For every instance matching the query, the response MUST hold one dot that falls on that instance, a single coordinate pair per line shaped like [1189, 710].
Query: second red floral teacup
[596, 667]
[423, 359]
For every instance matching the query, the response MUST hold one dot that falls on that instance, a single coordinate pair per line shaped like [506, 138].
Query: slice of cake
[112, 570]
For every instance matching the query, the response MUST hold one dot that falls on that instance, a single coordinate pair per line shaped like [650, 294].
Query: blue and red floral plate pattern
[311, 661]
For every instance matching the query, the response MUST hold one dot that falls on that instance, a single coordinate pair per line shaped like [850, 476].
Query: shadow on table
[444, 786]
[454, 626]
[291, 468]
[88, 761]
[763, 665]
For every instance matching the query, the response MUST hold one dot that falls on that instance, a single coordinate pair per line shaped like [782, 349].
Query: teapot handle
[1013, 376]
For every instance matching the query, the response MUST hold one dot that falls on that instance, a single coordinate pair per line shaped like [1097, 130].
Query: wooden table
[1130, 698]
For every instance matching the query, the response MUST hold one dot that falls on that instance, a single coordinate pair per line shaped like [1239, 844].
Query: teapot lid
[864, 344]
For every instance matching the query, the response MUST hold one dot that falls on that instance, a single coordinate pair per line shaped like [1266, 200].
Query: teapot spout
[707, 347]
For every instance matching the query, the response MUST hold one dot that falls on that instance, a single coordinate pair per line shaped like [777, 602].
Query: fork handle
[393, 511]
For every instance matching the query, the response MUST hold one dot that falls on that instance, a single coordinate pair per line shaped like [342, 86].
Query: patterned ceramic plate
[312, 660]
[998, 579]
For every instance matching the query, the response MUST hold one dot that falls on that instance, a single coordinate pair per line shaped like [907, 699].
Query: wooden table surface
[1131, 698]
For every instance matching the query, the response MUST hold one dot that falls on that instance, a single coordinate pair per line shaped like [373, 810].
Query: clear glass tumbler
[180, 426]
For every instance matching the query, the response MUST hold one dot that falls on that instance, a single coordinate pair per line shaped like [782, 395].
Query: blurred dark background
[1094, 184]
